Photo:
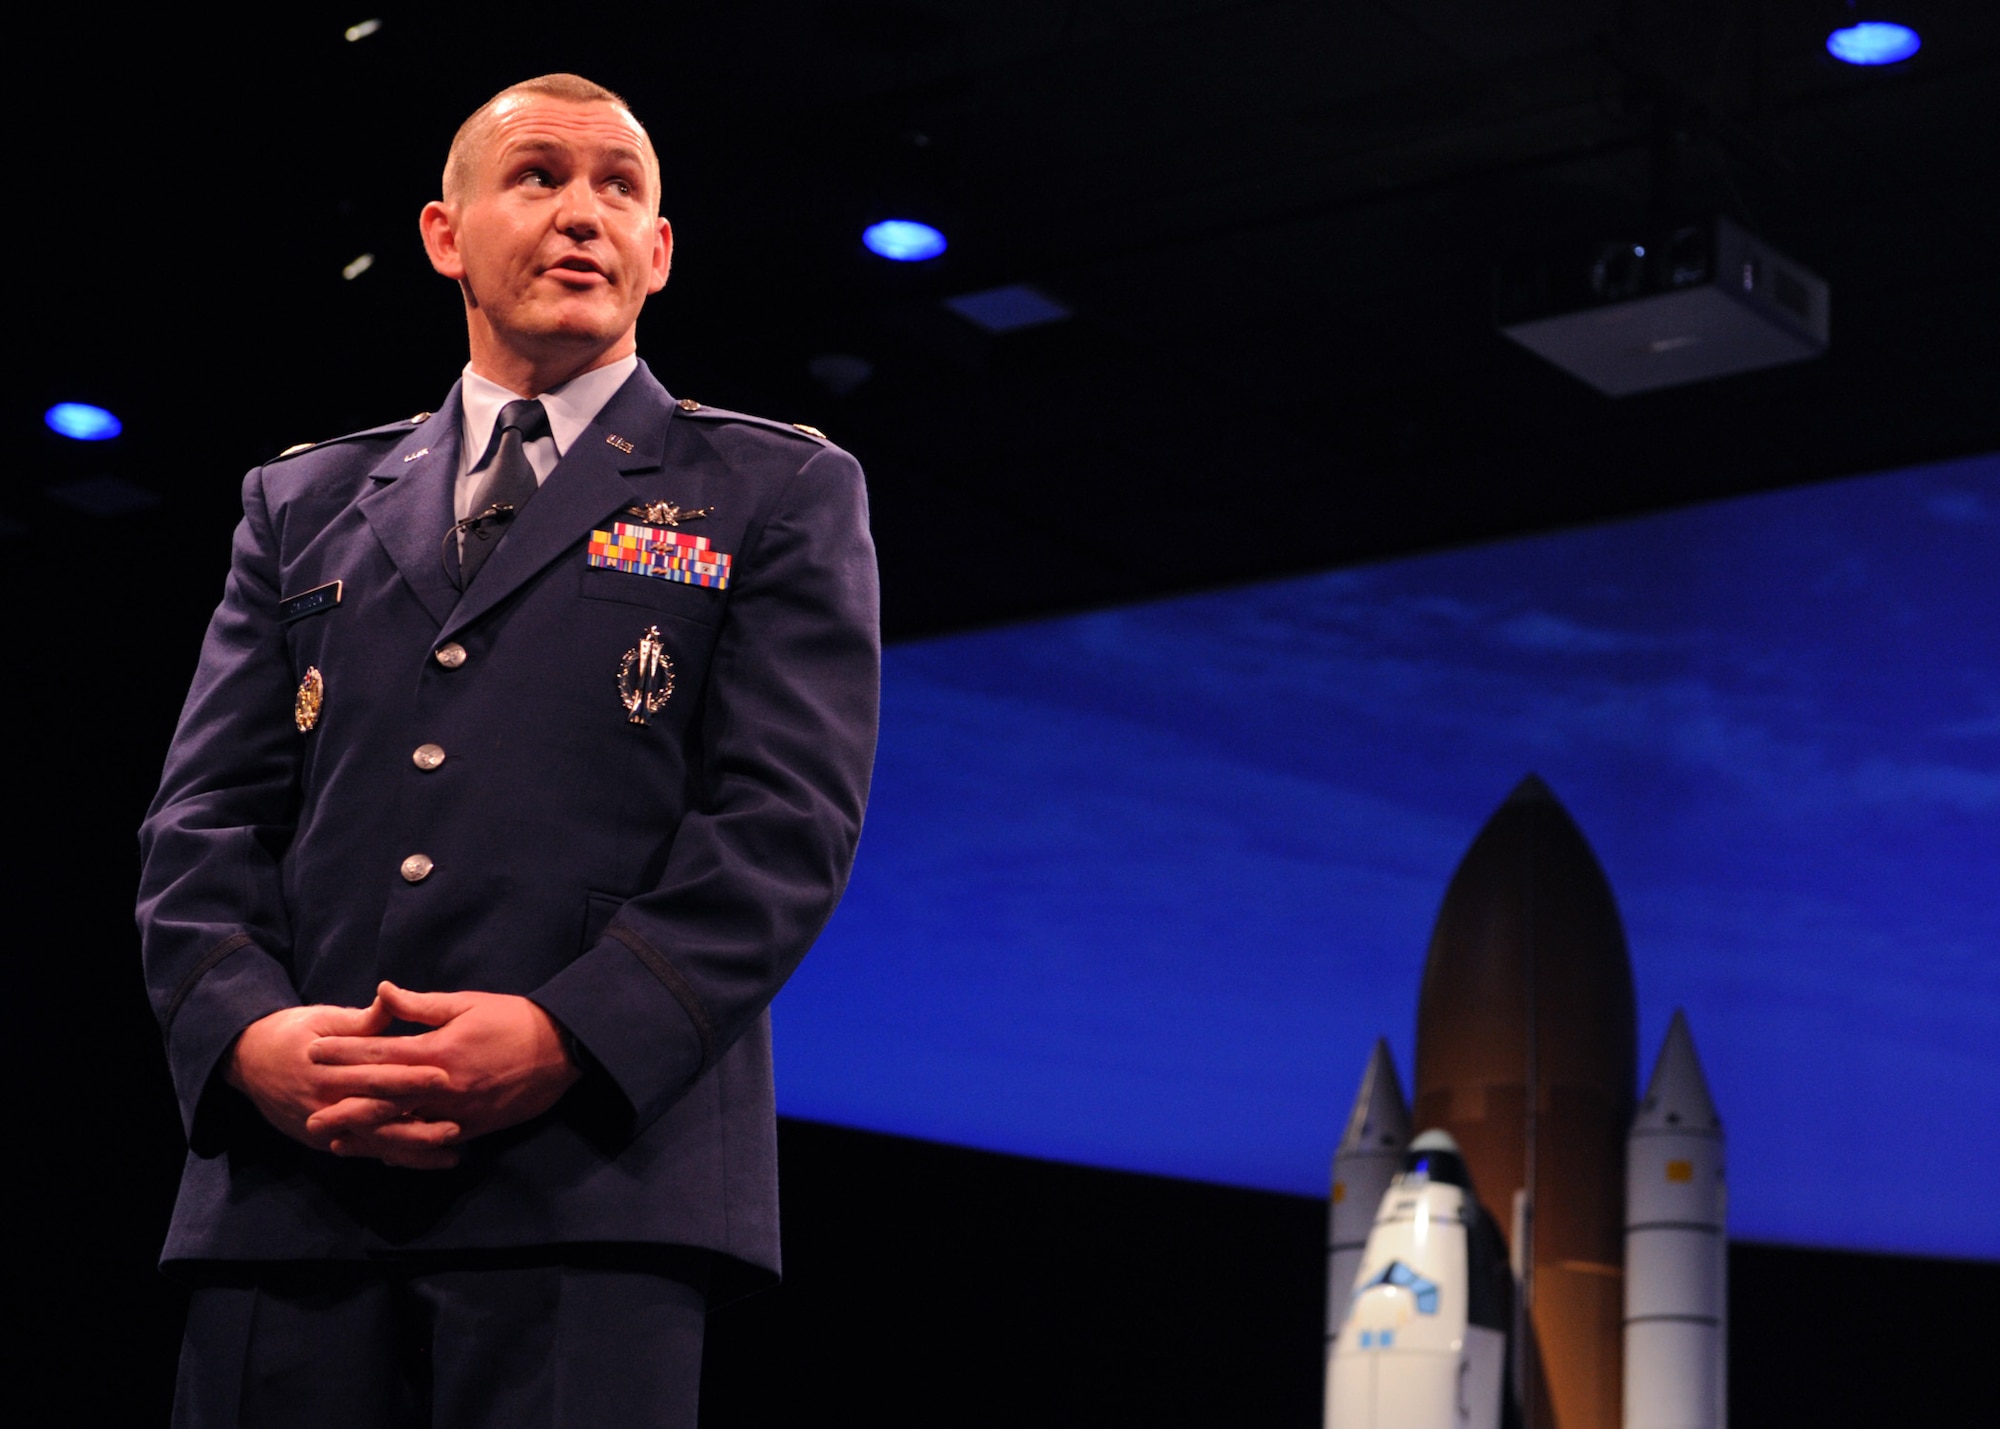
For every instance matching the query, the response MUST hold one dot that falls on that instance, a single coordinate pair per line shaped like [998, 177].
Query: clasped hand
[329, 1077]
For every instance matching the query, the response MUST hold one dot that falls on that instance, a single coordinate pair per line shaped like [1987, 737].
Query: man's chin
[557, 344]
[571, 336]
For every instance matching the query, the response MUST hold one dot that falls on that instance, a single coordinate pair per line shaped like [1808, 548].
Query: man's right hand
[269, 1064]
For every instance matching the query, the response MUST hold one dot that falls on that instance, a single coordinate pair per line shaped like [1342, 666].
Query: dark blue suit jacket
[651, 885]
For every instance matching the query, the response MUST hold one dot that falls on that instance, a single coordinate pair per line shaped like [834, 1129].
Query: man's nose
[577, 214]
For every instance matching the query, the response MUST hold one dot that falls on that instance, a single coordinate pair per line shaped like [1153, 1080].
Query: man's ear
[663, 257]
[438, 225]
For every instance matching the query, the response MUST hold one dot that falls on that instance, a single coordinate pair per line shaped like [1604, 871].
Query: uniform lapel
[587, 487]
[410, 507]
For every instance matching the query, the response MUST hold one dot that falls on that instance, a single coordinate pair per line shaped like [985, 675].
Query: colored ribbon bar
[660, 554]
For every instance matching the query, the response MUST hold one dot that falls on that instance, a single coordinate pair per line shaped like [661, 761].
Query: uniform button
[450, 655]
[427, 756]
[416, 868]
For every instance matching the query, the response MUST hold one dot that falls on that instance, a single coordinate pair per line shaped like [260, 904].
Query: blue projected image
[1140, 888]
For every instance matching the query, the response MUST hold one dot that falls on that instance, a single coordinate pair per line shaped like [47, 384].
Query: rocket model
[1368, 1157]
[1425, 1340]
[1676, 1254]
[1526, 1052]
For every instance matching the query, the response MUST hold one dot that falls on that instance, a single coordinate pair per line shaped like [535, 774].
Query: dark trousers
[536, 1346]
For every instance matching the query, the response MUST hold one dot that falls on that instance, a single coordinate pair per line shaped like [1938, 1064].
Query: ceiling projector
[1698, 301]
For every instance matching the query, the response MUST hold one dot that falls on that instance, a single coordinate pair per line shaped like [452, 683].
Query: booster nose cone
[1677, 1097]
[1380, 1118]
[1368, 1157]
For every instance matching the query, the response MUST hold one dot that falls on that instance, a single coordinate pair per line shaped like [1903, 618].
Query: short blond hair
[462, 159]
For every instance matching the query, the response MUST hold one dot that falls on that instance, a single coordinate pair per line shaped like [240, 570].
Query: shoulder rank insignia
[662, 554]
[393, 429]
[723, 414]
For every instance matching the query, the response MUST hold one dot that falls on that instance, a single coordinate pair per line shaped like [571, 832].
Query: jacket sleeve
[783, 755]
[213, 930]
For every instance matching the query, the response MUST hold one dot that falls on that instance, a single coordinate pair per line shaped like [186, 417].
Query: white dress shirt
[570, 407]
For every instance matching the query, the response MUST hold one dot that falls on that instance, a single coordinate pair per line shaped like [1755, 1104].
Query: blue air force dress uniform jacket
[475, 808]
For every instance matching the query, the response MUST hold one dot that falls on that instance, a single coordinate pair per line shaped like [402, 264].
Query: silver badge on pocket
[645, 677]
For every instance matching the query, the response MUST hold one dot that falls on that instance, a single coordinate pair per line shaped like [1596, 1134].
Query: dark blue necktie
[510, 482]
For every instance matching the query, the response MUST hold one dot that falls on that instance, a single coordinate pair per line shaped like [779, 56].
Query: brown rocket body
[1526, 1049]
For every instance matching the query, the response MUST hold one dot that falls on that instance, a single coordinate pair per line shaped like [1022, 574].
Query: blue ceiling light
[82, 422]
[1873, 42]
[903, 240]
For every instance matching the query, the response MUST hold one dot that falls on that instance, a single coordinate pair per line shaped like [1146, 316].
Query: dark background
[1276, 225]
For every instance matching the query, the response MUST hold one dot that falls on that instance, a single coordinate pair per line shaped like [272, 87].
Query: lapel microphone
[485, 526]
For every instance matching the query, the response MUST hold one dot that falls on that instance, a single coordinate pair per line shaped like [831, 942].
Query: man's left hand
[503, 1054]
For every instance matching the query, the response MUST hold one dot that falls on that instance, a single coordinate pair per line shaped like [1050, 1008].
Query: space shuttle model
[1424, 1340]
[1607, 1216]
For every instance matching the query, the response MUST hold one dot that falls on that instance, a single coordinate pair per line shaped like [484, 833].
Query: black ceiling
[1276, 224]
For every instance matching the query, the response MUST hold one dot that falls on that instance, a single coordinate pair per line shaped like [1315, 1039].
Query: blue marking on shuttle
[1401, 1276]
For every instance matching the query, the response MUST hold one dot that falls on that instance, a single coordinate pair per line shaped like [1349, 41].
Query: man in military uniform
[525, 759]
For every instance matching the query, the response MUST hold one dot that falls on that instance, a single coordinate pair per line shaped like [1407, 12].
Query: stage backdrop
[1140, 888]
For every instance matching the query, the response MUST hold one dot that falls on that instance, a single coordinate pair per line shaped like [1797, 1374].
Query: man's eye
[623, 186]
[538, 178]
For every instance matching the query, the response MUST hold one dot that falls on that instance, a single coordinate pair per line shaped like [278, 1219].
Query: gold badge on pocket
[311, 695]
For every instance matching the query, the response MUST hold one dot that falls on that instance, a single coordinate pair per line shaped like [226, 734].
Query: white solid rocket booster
[1370, 1151]
[1424, 1344]
[1676, 1252]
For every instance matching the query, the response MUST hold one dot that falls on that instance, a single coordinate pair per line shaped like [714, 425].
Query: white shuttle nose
[1411, 1353]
